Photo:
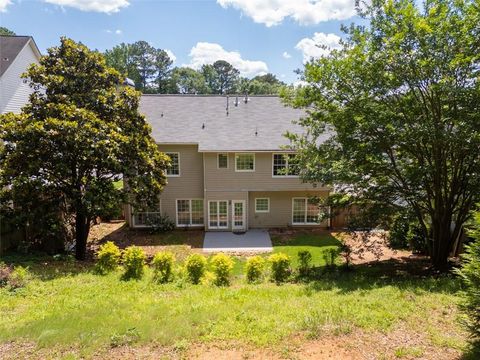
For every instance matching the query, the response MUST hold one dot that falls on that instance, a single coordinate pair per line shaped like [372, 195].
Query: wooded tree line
[152, 71]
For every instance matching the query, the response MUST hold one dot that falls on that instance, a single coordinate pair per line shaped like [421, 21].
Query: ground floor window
[305, 211]
[262, 205]
[147, 216]
[218, 214]
[190, 212]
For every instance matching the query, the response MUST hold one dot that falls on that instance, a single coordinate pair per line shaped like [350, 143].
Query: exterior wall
[280, 214]
[14, 92]
[189, 185]
[259, 180]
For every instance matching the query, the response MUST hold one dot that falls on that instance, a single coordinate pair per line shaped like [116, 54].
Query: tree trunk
[81, 233]
[442, 245]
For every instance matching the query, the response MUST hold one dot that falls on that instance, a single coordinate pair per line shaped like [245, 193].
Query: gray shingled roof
[10, 47]
[257, 125]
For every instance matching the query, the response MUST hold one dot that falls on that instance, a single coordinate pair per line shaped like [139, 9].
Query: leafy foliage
[304, 262]
[4, 31]
[254, 269]
[108, 258]
[80, 133]
[163, 263]
[13, 277]
[394, 116]
[470, 274]
[280, 267]
[195, 265]
[222, 266]
[330, 256]
[134, 260]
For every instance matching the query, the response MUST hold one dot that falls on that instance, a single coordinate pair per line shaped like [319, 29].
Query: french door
[218, 214]
[238, 215]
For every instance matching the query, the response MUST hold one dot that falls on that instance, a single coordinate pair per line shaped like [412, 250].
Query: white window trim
[179, 167]
[244, 153]
[268, 205]
[305, 217]
[228, 160]
[273, 165]
[132, 215]
[190, 210]
[218, 218]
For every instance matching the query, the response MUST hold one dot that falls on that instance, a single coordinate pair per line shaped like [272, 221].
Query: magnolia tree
[400, 105]
[80, 133]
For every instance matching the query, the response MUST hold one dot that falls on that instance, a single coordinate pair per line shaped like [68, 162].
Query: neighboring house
[230, 168]
[16, 55]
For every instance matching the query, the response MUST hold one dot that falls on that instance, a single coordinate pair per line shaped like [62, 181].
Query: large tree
[400, 103]
[185, 80]
[79, 134]
[163, 65]
[6, 32]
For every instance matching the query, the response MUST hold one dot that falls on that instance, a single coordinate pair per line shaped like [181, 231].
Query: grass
[66, 306]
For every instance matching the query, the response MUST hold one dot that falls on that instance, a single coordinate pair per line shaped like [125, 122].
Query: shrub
[254, 269]
[163, 263]
[18, 277]
[195, 265]
[304, 262]
[5, 272]
[398, 235]
[222, 266]
[134, 262]
[280, 267]
[161, 224]
[470, 274]
[108, 258]
[330, 256]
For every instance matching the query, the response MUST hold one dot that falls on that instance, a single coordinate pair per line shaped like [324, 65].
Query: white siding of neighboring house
[13, 91]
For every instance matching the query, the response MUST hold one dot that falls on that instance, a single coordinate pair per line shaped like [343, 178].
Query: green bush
[398, 235]
[254, 269]
[330, 255]
[18, 277]
[134, 260]
[470, 274]
[195, 265]
[304, 262]
[160, 223]
[222, 266]
[163, 263]
[13, 277]
[108, 258]
[280, 267]
[5, 272]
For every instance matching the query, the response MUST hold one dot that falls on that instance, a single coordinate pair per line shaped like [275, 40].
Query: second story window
[285, 165]
[245, 162]
[174, 169]
[222, 161]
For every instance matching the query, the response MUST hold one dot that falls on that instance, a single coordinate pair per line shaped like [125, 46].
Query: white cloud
[207, 53]
[320, 45]
[104, 6]
[116, 32]
[171, 55]
[286, 55]
[305, 12]
[4, 4]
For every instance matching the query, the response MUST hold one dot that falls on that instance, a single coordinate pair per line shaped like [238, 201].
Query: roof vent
[236, 101]
[245, 99]
[256, 131]
[5, 59]
[203, 126]
[227, 106]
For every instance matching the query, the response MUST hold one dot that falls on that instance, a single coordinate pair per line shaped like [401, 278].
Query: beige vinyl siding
[259, 180]
[189, 185]
[280, 214]
[14, 92]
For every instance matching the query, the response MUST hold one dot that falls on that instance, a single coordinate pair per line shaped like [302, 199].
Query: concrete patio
[257, 241]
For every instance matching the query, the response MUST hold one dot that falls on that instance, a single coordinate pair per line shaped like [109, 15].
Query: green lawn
[66, 306]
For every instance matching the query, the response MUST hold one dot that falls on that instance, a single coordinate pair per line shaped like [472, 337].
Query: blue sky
[254, 35]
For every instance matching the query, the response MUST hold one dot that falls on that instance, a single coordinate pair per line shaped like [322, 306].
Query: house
[16, 55]
[230, 168]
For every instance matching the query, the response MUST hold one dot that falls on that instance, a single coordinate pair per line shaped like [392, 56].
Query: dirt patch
[118, 232]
